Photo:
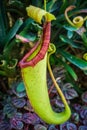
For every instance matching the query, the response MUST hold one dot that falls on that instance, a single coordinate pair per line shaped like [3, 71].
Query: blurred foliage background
[71, 43]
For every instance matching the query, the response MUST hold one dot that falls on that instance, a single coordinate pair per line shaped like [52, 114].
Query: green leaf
[2, 73]
[64, 5]
[37, 3]
[36, 26]
[52, 5]
[74, 60]
[31, 37]
[2, 24]
[70, 42]
[69, 34]
[85, 72]
[69, 28]
[16, 3]
[20, 87]
[76, 87]
[12, 32]
[24, 28]
[84, 38]
[28, 29]
[86, 23]
[69, 70]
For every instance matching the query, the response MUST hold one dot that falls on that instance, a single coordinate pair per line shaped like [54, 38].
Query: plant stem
[44, 4]
[52, 76]
[67, 17]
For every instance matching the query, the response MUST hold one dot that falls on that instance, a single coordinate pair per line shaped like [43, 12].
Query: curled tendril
[78, 21]
[66, 15]
[52, 50]
[85, 56]
[13, 64]
[2, 63]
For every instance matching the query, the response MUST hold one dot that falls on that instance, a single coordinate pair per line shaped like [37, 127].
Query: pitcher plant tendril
[34, 71]
[85, 56]
[52, 50]
[78, 21]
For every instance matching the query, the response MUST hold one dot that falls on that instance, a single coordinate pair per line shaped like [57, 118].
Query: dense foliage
[69, 64]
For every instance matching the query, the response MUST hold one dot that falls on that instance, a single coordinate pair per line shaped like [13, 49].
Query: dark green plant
[11, 49]
[71, 45]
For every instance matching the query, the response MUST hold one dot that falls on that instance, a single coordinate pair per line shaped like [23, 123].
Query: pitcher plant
[34, 68]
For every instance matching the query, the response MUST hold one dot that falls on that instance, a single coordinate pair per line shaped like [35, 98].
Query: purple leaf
[39, 127]
[68, 126]
[4, 125]
[83, 113]
[9, 110]
[59, 103]
[18, 116]
[70, 93]
[75, 118]
[82, 128]
[67, 86]
[77, 107]
[30, 118]
[18, 102]
[18, 125]
[1, 115]
[63, 126]
[21, 94]
[85, 121]
[71, 126]
[84, 97]
[52, 127]
[29, 105]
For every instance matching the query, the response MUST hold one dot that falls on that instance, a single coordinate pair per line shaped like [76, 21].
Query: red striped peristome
[23, 63]
[44, 47]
